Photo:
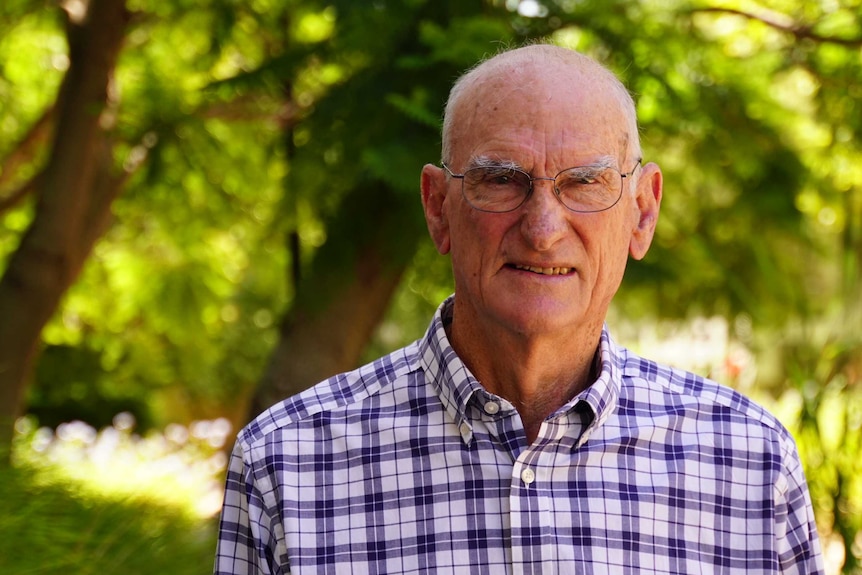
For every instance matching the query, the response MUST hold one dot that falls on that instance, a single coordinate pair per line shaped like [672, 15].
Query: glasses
[500, 189]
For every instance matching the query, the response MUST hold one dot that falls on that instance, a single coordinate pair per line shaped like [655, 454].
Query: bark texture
[75, 191]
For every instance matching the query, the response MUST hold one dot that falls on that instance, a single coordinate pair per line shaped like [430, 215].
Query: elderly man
[516, 436]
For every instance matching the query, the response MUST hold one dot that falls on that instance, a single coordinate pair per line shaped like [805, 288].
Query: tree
[268, 157]
[75, 191]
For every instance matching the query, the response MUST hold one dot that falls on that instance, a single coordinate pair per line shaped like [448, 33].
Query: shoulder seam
[331, 394]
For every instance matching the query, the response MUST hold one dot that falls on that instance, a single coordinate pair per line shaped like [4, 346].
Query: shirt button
[465, 428]
[492, 407]
[528, 476]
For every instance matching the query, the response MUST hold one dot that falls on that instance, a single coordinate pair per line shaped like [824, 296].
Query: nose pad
[538, 194]
[540, 179]
[553, 182]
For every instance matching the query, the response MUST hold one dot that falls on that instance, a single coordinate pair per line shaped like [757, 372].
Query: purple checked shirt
[407, 465]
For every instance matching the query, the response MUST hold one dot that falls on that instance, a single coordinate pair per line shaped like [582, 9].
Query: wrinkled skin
[524, 334]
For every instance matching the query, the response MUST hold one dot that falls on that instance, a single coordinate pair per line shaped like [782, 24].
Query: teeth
[545, 271]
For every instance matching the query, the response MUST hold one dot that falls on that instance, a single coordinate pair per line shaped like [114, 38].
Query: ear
[648, 198]
[435, 187]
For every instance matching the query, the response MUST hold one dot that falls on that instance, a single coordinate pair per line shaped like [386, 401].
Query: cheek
[611, 243]
[465, 249]
[478, 249]
[618, 256]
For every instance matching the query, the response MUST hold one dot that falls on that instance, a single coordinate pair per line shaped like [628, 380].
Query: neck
[536, 373]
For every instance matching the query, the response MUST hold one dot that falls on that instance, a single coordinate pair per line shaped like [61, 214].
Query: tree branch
[25, 151]
[243, 110]
[17, 196]
[800, 31]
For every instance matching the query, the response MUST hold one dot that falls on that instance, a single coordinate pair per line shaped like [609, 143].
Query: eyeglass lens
[502, 189]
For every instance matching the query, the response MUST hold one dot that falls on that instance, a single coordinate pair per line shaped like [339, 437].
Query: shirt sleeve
[799, 549]
[246, 536]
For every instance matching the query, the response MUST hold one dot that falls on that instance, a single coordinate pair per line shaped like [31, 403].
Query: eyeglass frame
[623, 176]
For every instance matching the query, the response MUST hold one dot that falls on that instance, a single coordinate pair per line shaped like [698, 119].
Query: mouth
[557, 271]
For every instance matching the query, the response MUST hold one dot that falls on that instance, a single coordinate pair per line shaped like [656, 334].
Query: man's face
[541, 269]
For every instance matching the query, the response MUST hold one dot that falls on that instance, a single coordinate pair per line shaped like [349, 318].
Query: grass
[71, 505]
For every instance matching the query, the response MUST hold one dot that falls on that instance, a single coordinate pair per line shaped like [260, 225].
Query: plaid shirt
[407, 465]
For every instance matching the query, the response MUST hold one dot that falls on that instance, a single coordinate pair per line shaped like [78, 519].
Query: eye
[585, 179]
[581, 178]
[499, 179]
[495, 177]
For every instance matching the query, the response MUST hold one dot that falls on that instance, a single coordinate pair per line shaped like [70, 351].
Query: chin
[531, 320]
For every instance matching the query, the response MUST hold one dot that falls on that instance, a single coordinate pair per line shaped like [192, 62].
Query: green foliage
[246, 125]
[829, 433]
[75, 534]
[72, 384]
[29, 81]
[105, 503]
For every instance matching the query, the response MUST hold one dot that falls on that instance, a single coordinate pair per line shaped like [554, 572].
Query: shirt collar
[445, 371]
[455, 385]
[602, 395]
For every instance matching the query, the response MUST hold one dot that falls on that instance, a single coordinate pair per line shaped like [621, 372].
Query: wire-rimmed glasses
[501, 188]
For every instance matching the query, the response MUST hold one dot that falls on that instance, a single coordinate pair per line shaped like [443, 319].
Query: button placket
[530, 517]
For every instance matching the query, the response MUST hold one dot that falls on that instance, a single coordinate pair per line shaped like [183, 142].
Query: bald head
[560, 68]
[541, 272]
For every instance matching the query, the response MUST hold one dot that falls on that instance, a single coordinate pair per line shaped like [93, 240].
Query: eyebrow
[606, 161]
[486, 162]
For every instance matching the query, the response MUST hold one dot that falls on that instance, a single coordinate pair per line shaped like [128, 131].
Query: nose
[544, 220]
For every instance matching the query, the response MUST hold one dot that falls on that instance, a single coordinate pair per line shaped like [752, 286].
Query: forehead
[539, 111]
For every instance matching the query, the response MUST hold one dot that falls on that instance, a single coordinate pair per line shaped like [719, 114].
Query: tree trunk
[74, 198]
[343, 298]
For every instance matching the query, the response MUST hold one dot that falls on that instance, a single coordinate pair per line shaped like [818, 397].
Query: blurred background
[208, 205]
